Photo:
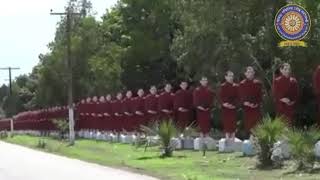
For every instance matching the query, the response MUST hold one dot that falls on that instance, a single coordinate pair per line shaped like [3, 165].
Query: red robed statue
[165, 103]
[151, 105]
[117, 110]
[100, 113]
[107, 113]
[183, 106]
[229, 100]
[285, 93]
[139, 110]
[250, 92]
[128, 110]
[203, 102]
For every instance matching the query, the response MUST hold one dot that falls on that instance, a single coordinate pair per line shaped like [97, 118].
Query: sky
[26, 29]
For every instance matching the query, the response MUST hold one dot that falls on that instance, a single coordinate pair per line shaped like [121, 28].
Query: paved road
[20, 163]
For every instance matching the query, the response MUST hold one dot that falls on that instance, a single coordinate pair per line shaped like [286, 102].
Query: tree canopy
[150, 42]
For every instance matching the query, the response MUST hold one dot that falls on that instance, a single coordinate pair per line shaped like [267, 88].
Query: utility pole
[10, 77]
[11, 127]
[69, 15]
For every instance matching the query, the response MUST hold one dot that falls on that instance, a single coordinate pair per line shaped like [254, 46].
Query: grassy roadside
[185, 165]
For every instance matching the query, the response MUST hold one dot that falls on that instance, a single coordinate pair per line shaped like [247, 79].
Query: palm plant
[302, 144]
[266, 134]
[149, 130]
[165, 130]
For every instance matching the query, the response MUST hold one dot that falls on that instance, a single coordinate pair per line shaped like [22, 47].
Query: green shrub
[3, 134]
[189, 177]
[150, 130]
[266, 134]
[62, 125]
[302, 144]
[166, 130]
[41, 144]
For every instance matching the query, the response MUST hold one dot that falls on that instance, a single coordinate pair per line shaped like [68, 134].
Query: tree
[229, 35]
[143, 43]
[149, 26]
[4, 90]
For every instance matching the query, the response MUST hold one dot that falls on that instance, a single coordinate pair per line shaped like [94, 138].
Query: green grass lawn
[185, 165]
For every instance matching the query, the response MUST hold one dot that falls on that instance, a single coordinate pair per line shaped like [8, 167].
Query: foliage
[62, 125]
[165, 130]
[149, 26]
[41, 144]
[150, 130]
[140, 43]
[190, 177]
[302, 144]
[12, 105]
[266, 134]
[3, 134]
[3, 92]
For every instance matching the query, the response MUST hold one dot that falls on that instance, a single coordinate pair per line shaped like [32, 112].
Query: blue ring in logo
[292, 22]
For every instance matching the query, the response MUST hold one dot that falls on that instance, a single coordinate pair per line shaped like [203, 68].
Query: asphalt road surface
[20, 163]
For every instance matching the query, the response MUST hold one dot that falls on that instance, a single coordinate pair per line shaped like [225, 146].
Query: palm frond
[165, 130]
[302, 144]
[266, 134]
